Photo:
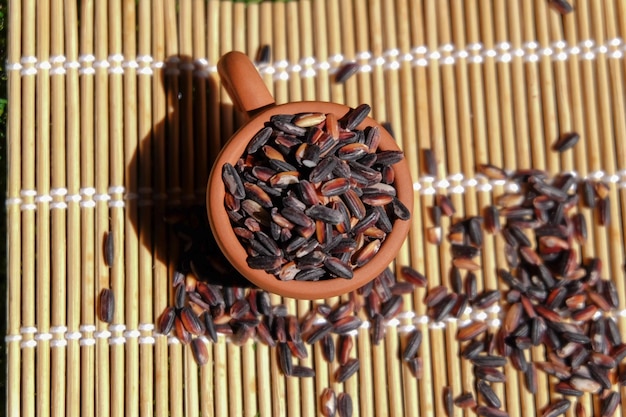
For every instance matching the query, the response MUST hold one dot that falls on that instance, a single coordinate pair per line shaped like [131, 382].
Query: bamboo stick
[143, 167]
[220, 377]
[266, 36]
[264, 379]
[362, 30]
[104, 367]
[253, 31]
[178, 354]
[192, 399]
[594, 125]
[520, 156]
[202, 163]
[42, 226]
[582, 159]
[186, 34]
[547, 82]
[293, 50]
[393, 365]
[186, 110]
[174, 183]
[439, 258]
[88, 256]
[539, 145]
[206, 385]
[116, 213]
[418, 106]
[562, 90]
[479, 145]
[213, 53]
[248, 378]
[74, 240]
[395, 115]
[580, 153]
[348, 47]
[160, 284]
[227, 124]
[513, 107]
[305, 16]
[28, 216]
[320, 46]
[532, 90]
[411, 401]
[279, 48]
[131, 244]
[235, 394]
[14, 225]
[472, 150]
[611, 146]
[421, 220]
[619, 112]
[238, 44]
[57, 206]
[335, 49]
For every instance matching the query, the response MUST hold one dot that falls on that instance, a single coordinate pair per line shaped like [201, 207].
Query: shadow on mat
[169, 172]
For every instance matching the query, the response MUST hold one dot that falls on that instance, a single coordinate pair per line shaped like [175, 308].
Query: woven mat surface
[116, 112]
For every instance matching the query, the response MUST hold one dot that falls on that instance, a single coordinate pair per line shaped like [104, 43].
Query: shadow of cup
[169, 169]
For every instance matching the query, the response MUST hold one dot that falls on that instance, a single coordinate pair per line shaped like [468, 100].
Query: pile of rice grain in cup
[312, 197]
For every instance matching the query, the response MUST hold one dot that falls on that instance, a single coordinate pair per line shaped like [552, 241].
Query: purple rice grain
[345, 344]
[106, 305]
[430, 162]
[488, 394]
[413, 343]
[465, 401]
[556, 408]
[109, 249]
[413, 276]
[299, 371]
[344, 405]
[610, 404]
[264, 54]
[328, 402]
[200, 352]
[378, 328]
[489, 374]
[284, 358]
[448, 401]
[486, 411]
[347, 370]
[328, 348]
[165, 323]
[566, 140]
[416, 367]
[561, 6]
[345, 71]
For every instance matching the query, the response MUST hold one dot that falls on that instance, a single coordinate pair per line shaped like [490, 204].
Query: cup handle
[243, 83]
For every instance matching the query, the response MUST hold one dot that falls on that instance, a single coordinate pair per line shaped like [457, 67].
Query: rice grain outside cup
[245, 86]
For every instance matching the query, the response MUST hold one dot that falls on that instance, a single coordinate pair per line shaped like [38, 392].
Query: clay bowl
[250, 95]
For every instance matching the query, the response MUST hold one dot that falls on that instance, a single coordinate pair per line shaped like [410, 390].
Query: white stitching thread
[486, 316]
[425, 185]
[445, 54]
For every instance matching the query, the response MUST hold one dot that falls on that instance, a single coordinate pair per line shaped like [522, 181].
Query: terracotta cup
[250, 95]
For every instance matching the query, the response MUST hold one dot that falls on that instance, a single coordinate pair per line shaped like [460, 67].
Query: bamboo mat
[116, 112]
